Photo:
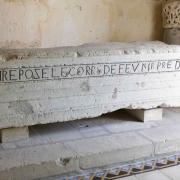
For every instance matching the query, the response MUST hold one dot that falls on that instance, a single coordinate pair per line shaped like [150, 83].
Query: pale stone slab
[162, 133]
[37, 161]
[128, 178]
[166, 139]
[94, 132]
[100, 151]
[14, 134]
[61, 132]
[154, 175]
[147, 114]
[51, 159]
[172, 172]
[42, 86]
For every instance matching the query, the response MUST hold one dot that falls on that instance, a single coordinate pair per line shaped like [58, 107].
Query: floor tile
[154, 175]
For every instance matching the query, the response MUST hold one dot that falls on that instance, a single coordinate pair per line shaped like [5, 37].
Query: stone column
[171, 21]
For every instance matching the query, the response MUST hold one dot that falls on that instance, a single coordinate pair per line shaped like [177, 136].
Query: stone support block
[14, 134]
[147, 114]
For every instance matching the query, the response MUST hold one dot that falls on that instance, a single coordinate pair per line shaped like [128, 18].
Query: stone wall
[47, 23]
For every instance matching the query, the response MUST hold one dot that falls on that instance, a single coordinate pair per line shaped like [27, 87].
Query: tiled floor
[114, 123]
[97, 142]
[171, 173]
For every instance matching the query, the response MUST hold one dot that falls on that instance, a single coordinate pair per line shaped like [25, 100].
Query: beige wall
[47, 23]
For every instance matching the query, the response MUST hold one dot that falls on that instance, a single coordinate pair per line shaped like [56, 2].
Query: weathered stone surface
[147, 114]
[171, 21]
[171, 16]
[172, 36]
[93, 152]
[37, 161]
[165, 139]
[61, 84]
[14, 134]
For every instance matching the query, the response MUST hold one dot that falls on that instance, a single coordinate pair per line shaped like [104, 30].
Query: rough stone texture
[148, 114]
[52, 23]
[120, 150]
[61, 84]
[165, 139]
[171, 21]
[14, 134]
[171, 16]
[37, 161]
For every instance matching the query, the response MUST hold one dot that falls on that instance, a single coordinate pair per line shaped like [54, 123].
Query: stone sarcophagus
[41, 86]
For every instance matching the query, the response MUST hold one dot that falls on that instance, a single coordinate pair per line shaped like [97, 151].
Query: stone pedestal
[146, 115]
[171, 21]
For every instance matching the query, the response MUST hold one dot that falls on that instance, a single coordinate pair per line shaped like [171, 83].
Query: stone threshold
[125, 171]
[89, 144]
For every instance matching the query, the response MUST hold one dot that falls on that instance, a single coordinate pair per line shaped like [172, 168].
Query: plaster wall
[49, 23]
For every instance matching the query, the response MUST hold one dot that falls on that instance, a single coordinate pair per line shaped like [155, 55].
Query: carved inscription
[57, 72]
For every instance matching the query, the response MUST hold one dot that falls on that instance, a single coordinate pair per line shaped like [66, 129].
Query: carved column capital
[171, 14]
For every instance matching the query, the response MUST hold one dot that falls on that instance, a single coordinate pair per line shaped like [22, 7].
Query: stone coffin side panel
[55, 87]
